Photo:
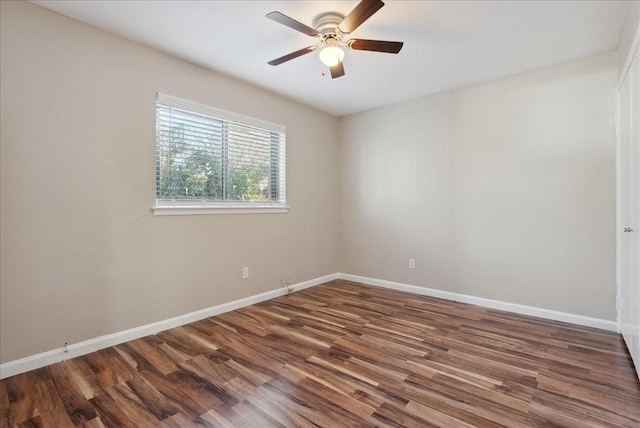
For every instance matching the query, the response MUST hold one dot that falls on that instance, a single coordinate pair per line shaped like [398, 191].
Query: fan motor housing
[327, 23]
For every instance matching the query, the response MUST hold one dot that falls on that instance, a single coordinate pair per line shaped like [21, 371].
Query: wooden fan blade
[375, 45]
[292, 23]
[292, 55]
[363, 11]
[337, 70]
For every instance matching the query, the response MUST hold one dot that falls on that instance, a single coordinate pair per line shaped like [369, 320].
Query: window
[209, 160]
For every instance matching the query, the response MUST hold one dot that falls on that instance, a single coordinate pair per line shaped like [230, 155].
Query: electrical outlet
[287, 278]
[245, 273]
[412, 264]
[618, 305]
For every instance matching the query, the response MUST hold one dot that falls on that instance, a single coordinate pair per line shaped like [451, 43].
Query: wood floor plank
[57, 417]
[93, 423]
[208, 380]
[180, 421]
[84, 377]
[77, 406]
[312, 409]
[46, 396]
[104, 373]
[150, 353]
[190, 400]
[159, 405]
[341, 355]
[568, 412]
[227, 418]
[395, 416]
[185, 343]
[5, 405]
[22, 405]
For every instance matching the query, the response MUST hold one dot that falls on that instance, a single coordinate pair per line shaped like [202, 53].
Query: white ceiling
[447, 44]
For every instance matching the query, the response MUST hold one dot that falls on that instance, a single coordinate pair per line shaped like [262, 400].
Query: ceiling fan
[330, 28]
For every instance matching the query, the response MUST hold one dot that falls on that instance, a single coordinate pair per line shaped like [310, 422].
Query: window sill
[176, 210]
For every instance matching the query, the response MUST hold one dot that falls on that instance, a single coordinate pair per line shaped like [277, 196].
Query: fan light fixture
[331, 55]
[330, 28]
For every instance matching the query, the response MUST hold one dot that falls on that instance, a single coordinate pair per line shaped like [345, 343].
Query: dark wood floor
[341, 354]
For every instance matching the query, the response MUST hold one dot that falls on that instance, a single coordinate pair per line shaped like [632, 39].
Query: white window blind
[208, 158]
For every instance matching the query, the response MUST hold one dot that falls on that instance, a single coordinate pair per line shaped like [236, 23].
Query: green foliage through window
[209, 159]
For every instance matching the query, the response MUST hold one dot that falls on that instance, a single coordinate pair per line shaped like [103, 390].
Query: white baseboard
[43, 359]
[33, 362]
[487, 303]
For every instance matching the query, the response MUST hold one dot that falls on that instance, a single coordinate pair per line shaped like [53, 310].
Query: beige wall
[629, 37]
[82, 254]
[503, 190]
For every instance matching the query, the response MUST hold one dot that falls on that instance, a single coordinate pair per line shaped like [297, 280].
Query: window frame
[197, 206]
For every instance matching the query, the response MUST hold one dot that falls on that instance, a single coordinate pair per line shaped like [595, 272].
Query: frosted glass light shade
[331, 56]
